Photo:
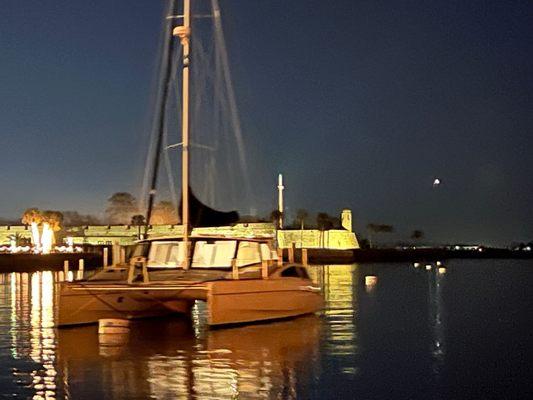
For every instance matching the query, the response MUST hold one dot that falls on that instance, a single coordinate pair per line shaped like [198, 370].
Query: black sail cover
[201, 216]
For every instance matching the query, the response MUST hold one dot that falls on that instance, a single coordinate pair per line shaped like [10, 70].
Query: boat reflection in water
[175, 357]
[164, 358]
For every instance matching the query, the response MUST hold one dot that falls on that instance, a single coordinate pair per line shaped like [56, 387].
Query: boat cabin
[207, 252]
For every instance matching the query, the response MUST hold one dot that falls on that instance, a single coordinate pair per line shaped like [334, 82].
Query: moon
[436, 182]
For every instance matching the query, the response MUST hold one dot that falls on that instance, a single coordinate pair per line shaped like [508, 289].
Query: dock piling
[105, 257]
[305, 259]
[292, 249]
[65, 269]
[81, 268]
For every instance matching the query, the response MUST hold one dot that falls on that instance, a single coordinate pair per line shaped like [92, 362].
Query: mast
[184, 33]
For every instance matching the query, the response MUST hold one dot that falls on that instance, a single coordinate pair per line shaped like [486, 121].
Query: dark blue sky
[360, 103]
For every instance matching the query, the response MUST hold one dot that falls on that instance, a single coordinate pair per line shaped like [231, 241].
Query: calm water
[416, 335]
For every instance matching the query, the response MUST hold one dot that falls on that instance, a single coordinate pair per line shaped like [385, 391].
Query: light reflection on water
[405, 334]
[165, 358]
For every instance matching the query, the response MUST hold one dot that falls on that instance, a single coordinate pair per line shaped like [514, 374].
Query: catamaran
[240, 279]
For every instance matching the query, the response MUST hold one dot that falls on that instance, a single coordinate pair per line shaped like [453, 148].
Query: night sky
[361, 104]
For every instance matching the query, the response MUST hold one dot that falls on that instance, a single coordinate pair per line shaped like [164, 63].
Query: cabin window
[249, 253]
[267, 253]
[217, 254]
[166, 254]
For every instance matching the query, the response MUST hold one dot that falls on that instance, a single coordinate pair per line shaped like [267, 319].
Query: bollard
[81, 268]
[113, 334]
[115, 252]
[65, 269]
[371, 280]
[305, 259]
[105, 257]
[113, 326]
[291, 252]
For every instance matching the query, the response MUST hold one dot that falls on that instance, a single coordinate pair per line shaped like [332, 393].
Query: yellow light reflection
[47, 238]
[32, 332]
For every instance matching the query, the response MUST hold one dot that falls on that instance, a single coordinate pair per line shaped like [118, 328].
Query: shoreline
[93, 260]
[330, 256]
[54, 262]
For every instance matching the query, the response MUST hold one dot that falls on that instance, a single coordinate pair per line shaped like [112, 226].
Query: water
[416, 335]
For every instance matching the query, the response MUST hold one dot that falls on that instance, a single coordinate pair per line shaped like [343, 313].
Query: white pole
[280, 199]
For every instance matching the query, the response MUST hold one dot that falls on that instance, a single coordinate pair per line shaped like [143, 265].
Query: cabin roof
[207, 237]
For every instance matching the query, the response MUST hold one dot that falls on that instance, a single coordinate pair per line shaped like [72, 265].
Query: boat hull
[78, 306]
[228, 301]
[234, 302]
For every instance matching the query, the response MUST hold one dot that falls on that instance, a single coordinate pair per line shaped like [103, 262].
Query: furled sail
[201, 215]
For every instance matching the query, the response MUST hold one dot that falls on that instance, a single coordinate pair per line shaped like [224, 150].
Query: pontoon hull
[232, 302]
[84, 306]
[228, 301]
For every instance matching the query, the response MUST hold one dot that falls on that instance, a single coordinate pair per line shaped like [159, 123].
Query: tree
[301, 217]
[378, 228]
[54, 219]
[121, 208]
[138, 221]
[275, 217]
[325, 221]
[73, 218]
[32, 216]
[164, 213]
[417, 234]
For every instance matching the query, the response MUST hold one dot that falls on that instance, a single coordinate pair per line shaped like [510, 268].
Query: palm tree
[52, 221]
[138, 221]
[378, 228]
[122, 206]
[417, 234]
[275, 217]
[324, 221]
[33, 217]
[301, 216]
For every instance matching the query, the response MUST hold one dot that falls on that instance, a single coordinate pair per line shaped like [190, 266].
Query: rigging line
[219, 37]
[166, 146]
[166, 73]
[170, 175]
[150, 153]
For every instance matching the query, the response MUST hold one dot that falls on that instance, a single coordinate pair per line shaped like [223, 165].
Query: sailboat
[241, 280]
